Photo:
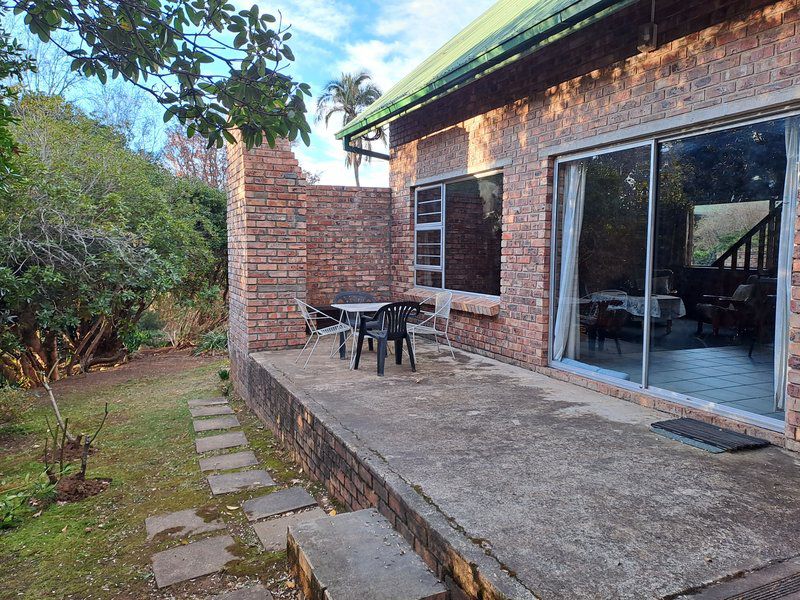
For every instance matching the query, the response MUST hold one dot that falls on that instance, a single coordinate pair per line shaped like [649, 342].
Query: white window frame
[433, 226]
[440, 226]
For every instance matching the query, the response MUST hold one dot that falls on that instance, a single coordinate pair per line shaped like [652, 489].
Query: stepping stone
[236, 482]
[192, 560]
[290, 499]
[215, 423]
[257, 592]
[221, 441]
[181, 524]
[334, 556]
[272, 533]
[211, 411]
[222, 462]
[207, 402]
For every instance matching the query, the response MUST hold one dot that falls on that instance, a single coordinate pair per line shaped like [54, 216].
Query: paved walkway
[200, 543]
[565, 489]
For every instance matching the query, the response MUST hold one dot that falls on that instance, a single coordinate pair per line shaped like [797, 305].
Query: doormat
[706, 436]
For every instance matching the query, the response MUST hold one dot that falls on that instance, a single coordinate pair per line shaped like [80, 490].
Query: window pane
[429, 205]
[718, 211]
[473, 216]
[429, 248]
[601, 241]
[429, 278]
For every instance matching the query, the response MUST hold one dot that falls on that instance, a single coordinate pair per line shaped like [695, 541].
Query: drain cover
[780, 581]
[706, 436]
[782, 588]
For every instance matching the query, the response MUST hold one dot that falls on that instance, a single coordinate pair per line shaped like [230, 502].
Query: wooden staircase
[756, 250]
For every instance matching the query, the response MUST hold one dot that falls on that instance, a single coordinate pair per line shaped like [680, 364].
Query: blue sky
[387, 39]
[329, 37]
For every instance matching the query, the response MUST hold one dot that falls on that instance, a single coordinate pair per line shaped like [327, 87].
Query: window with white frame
[458, 234]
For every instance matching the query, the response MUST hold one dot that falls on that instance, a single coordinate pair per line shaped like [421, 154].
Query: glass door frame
[652, 146]
[653, 141]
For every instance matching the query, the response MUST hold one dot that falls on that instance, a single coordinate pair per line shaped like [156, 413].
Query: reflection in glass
[718, 218]
[600, 246]
[473, 213]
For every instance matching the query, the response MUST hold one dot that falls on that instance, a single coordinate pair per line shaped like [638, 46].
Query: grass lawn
[96, 548]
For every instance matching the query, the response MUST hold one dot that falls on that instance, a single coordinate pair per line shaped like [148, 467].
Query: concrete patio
[544, 489]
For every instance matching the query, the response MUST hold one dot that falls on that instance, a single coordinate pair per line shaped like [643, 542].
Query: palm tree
[349, 95]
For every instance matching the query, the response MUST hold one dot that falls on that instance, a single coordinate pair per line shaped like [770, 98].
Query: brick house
[608, 188]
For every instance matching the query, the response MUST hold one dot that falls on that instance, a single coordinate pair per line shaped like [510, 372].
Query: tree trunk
[86, 357]
[355, 170]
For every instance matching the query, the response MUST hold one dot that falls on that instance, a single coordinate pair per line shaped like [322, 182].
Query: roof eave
[567, 21]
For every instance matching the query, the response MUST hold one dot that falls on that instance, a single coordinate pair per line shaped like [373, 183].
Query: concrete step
[355, 556]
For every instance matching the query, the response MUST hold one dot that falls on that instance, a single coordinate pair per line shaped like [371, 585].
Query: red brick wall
[738, 49]
[266, 250]
[290, 240]
[347, 242]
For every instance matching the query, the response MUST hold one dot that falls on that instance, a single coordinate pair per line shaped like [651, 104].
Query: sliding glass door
[704, 312]
[600, 257]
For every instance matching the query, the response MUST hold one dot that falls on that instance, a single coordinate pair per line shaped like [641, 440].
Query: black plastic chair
[389, 325]
[345, 297]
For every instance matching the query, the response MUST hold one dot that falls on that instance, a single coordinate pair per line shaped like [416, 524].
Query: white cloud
[389, 46]
[406, 34]
[326, 157]
[324, 19]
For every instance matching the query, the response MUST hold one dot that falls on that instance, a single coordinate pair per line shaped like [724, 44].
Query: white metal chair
[311, 315]
[434, 323]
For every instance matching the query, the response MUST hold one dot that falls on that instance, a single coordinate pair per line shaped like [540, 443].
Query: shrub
[138, 337]
[13, 401]
[16, 503]
[224, 374]
[213, 341]
[151, 321]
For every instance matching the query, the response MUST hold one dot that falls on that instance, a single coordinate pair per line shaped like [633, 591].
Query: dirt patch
[145, 364]
[75, 489]
[12, 441]
[72, 451]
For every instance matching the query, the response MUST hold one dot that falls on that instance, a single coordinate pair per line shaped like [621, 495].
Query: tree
[52, 75]
[91, 234]
[348, 96]
[13, 66]
[181, 53]
[130, 111]
[191, 158]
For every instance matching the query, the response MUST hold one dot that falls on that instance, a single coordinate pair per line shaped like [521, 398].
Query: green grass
[96, 548]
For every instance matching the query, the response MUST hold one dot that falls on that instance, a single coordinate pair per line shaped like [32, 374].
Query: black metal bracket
[348, 147]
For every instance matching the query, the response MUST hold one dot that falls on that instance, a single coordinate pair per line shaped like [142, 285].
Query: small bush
[13, 401]
[151, 321]
[17, 503]
[137, 338]
[224, 374]
[212, 342]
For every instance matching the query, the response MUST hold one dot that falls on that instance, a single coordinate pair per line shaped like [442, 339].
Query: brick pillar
[266, 251]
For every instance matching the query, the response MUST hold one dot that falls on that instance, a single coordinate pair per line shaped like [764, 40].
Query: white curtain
[566, 334]
[784, 293]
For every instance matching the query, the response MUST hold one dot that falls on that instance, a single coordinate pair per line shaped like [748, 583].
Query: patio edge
[360, 478]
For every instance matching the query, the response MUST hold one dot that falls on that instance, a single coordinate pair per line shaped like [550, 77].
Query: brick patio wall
[347, 242]
[359, 478]
[287, 240]
[711, 53]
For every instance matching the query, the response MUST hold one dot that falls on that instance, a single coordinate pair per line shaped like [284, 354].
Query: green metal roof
[506, 32]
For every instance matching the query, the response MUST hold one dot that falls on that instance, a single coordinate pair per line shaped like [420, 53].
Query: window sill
[478, 305]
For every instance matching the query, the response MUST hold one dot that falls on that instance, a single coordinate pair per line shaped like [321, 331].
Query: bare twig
[59, 420]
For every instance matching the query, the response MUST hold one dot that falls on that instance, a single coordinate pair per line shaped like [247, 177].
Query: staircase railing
[756, 250]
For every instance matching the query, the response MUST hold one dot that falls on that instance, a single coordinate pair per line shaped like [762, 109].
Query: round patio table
[356, 309]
